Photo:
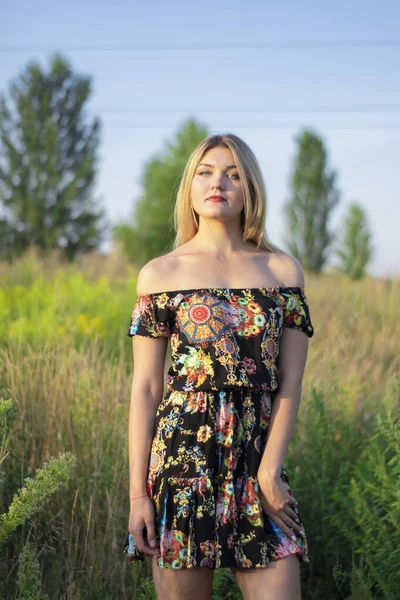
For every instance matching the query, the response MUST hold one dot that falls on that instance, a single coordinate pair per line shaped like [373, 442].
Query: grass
[66, 362]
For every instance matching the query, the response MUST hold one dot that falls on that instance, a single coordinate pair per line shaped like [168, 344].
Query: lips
[216, 199]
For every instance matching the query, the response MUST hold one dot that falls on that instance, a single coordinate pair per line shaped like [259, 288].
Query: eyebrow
[208, 165]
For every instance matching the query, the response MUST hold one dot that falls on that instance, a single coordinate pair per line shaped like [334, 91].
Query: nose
[216, 180]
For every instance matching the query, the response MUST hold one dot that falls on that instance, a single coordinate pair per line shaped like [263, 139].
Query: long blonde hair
[255, 197]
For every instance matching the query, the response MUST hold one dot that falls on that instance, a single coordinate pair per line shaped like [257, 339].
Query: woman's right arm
[146, 394]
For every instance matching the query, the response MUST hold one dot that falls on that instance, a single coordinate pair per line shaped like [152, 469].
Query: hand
[141, 525]
[276, 503]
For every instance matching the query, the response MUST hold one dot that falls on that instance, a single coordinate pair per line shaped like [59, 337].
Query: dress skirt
[202, 480]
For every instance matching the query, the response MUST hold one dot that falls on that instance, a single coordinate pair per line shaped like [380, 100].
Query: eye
[236, 175]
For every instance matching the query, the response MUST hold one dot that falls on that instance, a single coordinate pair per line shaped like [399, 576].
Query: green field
[66, 363]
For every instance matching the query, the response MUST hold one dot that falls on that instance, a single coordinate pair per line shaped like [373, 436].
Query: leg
[182, 584]
[279, 579]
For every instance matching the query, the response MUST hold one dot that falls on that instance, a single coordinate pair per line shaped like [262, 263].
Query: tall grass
[67, 399]
[66, 362]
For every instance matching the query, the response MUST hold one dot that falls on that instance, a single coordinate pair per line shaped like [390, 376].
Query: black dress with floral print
[212, 423]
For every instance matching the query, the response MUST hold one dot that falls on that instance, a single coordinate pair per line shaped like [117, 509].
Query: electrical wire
[270, 45]
[360, 108]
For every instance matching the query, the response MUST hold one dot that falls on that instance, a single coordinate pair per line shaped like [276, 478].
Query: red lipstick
[216, 199]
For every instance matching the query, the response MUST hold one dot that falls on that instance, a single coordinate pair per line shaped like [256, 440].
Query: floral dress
[212, 423]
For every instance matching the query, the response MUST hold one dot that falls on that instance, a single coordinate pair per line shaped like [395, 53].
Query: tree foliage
[313, 197]
[356, 249]
[48, 162]
[152, 231]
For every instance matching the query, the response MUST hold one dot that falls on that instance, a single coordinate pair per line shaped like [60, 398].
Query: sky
[261, 70]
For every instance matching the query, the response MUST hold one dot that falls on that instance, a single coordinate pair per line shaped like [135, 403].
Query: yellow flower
[162, 300]
[253, 306]
[204, 433]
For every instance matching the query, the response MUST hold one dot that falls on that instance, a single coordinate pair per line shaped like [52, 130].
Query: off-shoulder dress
[212, 423]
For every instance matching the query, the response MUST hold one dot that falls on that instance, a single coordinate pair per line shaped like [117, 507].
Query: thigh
[194, 583]
[279, 579]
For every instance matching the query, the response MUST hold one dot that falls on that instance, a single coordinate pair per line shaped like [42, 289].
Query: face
[217, 175]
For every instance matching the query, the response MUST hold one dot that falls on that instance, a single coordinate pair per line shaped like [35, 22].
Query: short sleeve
[296, 312]
[150, 316]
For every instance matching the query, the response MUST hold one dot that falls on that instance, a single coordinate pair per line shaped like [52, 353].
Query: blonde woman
[208, 486]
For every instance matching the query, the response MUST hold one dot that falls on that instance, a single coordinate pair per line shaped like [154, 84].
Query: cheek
[239, 196]
[239, 192]
[196, 184]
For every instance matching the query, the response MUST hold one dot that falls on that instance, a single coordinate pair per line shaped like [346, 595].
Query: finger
[282, 525]
[290, 522]
[137, 535]
[147, 549]
[291, 502]
[291, 513]
[151, 534]
[286, 518]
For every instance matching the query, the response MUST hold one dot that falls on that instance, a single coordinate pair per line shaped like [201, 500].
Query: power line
[361, 108]
[270, 45]
[236, 124]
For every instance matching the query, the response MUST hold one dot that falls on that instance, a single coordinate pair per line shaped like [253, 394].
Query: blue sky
[264, 95]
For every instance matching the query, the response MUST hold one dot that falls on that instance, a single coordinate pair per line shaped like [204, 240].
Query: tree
[48, 158]
[313, 197]
[356, 250]
[152, 232]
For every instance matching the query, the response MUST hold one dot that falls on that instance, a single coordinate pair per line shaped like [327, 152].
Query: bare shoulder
[155, 275]
[288, 270]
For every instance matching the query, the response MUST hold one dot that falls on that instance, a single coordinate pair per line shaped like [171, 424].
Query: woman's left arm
[285, 405]
[276, 499]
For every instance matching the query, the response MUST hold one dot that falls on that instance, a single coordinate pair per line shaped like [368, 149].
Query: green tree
[356, 250]
[152, 232]
[313, 196]
[48, 162]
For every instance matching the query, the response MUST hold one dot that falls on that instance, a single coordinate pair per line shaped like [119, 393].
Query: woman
[208, 488]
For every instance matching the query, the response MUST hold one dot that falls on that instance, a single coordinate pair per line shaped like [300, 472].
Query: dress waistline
[254, 388]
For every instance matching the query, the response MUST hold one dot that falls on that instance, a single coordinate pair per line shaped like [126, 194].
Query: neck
[221, 238]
